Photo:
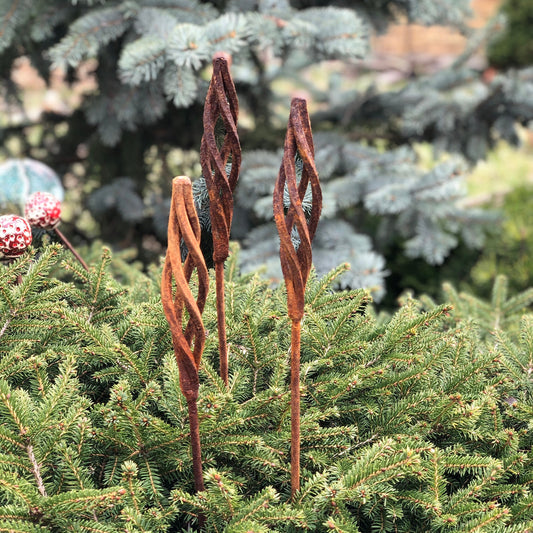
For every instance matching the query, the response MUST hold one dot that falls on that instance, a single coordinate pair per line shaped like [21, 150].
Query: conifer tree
[153, 61]
[411, 422]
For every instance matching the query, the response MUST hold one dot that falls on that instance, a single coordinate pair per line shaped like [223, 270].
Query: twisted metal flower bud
[221, 108]
[296, 261]
[188, 342]
[221, 103]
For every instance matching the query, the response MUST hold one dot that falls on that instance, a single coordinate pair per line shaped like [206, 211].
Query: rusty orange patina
[177, 297]
[221, 108]
[296, 261]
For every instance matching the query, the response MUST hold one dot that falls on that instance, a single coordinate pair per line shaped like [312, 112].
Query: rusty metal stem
[221, 106]
[296, 262]
[67, 244]
[196, 449]
[221, 321]
[295, 407]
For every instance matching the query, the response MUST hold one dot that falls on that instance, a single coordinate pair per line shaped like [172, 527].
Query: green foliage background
[514, 46]
[509, 250]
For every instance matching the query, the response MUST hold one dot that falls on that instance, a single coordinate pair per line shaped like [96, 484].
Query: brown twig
[296, 262]
[188, 342]
[221, 104]
[69, 246]
[36, 469]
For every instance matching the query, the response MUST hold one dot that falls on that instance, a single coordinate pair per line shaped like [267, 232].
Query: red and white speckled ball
[42, 210]
[15, 235]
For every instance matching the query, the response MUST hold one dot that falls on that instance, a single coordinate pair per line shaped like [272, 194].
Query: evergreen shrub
[509, 246]
[415, 422]
[514, 46]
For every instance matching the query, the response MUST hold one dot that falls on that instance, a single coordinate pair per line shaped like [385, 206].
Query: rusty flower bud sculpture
[296, 262]
[221, 104]
[188, 342]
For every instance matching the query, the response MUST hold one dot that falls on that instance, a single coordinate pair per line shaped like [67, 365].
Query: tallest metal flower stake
[221, 109]
[296, 261]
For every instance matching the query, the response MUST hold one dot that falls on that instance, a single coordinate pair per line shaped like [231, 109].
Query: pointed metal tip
[300, 98]
[181, 181]
[222, 57]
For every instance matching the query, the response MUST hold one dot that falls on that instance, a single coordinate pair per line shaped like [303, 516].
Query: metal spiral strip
[221, 104]
[296, 262]
[189, 341]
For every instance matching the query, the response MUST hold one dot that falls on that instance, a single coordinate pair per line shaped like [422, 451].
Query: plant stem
[36, 470]
[221, 321]
[295, 407]
[18, 281]
[66, 242]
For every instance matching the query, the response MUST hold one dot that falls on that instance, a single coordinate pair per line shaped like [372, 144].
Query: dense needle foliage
[419, 421]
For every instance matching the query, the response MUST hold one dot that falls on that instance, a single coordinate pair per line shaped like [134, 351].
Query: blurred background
[421, 113]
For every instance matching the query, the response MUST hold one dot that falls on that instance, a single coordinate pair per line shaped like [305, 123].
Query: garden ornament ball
[15, 235]
[42, 210]
[19, 178]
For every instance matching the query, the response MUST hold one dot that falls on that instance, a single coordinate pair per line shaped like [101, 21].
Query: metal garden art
[296, 260]
[296, 231]
[221, 111]
[188, 342]
[42, 211]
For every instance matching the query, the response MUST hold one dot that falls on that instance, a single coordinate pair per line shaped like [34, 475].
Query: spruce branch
[89, 34]
[36, 469]
[12, 14]
[5, 326]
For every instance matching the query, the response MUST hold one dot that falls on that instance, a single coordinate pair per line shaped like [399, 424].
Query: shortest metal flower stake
[188, 342]
[296, 261]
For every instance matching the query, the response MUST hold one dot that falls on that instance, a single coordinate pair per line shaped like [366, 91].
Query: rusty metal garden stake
[188, 342]
[296, 261]
[221, 104]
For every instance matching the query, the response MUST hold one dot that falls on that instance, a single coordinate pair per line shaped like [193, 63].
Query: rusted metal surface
[71, 248]
[217, 157]
[188, 341]
[221, 104]
[296, 262]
